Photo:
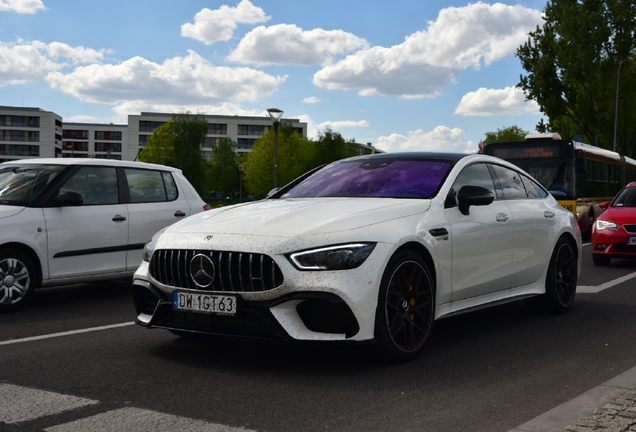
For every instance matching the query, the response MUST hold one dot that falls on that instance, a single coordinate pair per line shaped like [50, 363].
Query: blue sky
[405, 75]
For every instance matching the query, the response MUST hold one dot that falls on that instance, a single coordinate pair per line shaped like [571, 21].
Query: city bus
[580, 176]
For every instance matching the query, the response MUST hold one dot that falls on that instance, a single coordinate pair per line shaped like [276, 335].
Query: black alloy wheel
[17, 279]
[561, 280]
[406, 307]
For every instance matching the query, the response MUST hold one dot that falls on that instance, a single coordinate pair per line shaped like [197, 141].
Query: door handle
[548, 214]
[502, 217]
[118, 218]
[179, 213]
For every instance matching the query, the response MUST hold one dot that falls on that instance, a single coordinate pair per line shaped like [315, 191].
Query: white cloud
[183, 81]
[22, 6]
[311, 100]
[460, 38]
[343, 124]
[441, 139]
[288, 44]
[22, 62]
[225, 108]
[496, 102]
[212, 26]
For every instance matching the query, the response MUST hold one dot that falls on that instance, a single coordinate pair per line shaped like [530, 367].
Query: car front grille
[630, 228]
[232, 271]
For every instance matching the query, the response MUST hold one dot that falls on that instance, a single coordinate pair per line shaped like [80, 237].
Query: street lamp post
[275, 114]
[240, 167]
[618, 80]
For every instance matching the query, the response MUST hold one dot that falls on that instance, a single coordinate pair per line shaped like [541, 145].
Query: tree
[190, 131]
[510, 133]
[295, 157]
[178, 143]
[160, 146]
[331, 146]
[223, 167]
[572, 65]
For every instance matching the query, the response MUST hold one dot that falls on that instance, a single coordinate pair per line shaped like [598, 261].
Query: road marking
[136, 419]
[20, 404]
[606, 285]
[68, 333]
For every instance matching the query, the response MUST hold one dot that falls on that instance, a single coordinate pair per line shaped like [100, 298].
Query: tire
[406, 307]
[601, 260]
[18, 279]
[560, 282]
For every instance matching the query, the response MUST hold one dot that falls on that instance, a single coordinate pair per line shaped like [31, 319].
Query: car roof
[90, 162]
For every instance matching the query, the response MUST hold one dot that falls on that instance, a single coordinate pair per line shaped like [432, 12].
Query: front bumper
[293, 317]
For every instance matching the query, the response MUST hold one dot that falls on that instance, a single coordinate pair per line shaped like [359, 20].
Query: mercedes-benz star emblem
[202, 270]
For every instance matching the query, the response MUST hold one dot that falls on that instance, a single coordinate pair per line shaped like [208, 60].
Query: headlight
[339, 257]
[604, 225]
[148, 250]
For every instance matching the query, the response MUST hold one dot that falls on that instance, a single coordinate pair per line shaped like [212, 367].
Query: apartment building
[243, 130]
[29, 132]
[94, 140]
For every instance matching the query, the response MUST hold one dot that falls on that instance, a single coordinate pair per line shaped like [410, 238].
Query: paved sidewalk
[610, 407]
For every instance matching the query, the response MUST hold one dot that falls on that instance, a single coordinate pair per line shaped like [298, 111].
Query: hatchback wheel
[406, 307]
[601, 260]
[560, 283]
[17, 279]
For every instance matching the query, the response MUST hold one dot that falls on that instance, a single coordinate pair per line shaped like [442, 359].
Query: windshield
[626, 198]
[383, 178]
[20, 184]
[556, 175]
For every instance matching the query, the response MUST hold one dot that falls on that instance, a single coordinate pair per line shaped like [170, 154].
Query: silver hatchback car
[66, 221]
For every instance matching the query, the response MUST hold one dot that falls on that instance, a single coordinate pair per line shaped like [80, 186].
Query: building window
[104, 147]
[211, 142]
[252, 129]
[108, 135]
[245, 143]
[76, 145]
[108, 156]
[19, 135]
[75, 134]
[217, 128]
[143, 140]
[149, 126]
[58, 123]
[19, 150]
[19, 121]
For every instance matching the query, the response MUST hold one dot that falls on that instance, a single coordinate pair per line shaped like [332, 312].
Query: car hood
[620, 215]
[296, 217]
[7, 211]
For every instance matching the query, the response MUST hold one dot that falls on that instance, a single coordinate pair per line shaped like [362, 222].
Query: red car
[614, 232]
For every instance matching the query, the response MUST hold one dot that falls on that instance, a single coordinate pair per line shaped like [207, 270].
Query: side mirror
[604, 205]
[69, 199]
[473, 196]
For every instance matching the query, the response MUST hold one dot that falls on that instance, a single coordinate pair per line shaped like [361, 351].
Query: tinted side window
[473, 175]
[97, 185]
[146, 186]
[533, 190]
[510, 182]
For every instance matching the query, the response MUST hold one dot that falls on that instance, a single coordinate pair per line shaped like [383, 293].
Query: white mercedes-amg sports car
[368, 249]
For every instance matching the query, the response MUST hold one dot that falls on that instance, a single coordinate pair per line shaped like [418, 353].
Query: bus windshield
[554, 174]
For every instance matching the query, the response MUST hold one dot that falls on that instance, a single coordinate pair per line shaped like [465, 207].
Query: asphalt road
[490, 370]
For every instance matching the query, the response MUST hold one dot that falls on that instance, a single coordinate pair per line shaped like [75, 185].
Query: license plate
[204, 303]
[631, 240]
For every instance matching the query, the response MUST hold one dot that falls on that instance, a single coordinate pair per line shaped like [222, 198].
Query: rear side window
[510, 182]
[149, 186]
[533, 190]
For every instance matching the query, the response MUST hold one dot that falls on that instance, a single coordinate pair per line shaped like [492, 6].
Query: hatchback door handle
[179, 213]
[118, 218]
[502, 217]
[548, 214]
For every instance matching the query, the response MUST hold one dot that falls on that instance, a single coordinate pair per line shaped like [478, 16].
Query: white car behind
[69, 220]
